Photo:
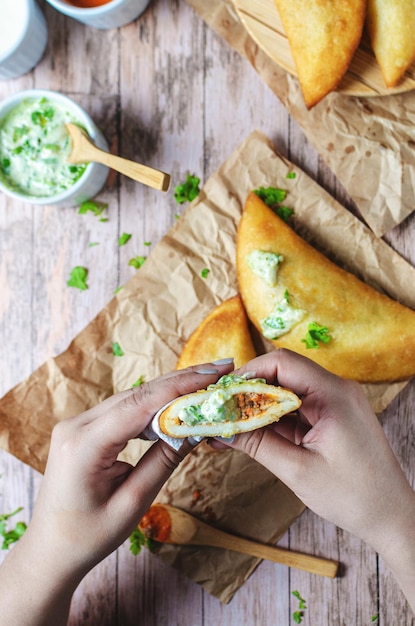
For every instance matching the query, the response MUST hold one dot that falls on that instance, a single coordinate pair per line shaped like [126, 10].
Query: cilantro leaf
[78, 278]
[11, 536]
[138, 540]
[273, 196]
[116, 349]
[299, 614]
[123, 239]
[316, 334]
[291, 175]
[187, 191]
[137, 261]
[205, 272]
[97, 208]
[138, 382]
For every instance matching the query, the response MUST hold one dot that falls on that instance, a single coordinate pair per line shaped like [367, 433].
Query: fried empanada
[323, 36]
[315, 308]
[223, 333]
[391, 28]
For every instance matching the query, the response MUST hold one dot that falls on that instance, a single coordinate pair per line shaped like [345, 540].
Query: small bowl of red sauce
[101, 13]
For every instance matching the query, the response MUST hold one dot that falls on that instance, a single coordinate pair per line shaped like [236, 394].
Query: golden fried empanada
[357, 332]
[223, 333]
[323, 36]
[391, 27]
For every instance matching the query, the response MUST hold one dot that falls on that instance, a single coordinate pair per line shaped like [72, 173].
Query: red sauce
[156, 523]
[87, 4]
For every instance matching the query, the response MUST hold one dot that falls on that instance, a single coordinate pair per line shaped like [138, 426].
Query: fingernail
[249, 375]
[206, 370]
[223, 361]
[226, 439]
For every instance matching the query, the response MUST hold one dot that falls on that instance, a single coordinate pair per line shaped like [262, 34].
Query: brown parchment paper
[153, 316]
[360, 139]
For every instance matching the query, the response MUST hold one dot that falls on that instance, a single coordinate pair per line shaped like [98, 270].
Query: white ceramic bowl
[94, 176]
[23, 37]
[111, 15]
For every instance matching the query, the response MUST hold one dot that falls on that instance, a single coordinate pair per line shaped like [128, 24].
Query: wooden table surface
[169, 92]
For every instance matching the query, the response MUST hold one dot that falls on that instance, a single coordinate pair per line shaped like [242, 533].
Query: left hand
[89, 501]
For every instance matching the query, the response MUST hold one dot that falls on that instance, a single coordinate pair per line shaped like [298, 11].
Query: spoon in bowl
[83, 151]
[168, 524]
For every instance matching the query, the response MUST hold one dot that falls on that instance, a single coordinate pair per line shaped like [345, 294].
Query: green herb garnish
[97, 208]
[78, 278]
[124, 238]
[5, 165]
[116, 349]
[138, 382]
[11, 536]
[138, 540]
[205, 272]
[137, 261]
[273, 197]
[316, 334]
[187, 191]
[291, 175]
[299, 614]
[147, 243]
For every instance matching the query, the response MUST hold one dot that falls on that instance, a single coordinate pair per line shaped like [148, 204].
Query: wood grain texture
[170, 93]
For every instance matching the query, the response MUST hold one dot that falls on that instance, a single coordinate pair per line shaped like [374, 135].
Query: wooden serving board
[363, 78]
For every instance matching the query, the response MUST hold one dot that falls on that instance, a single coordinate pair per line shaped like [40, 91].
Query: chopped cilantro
[11, 536]
[147, 243]
[118, 289]
[137, 541]
[205, 272]
[187, 191]
[138, 382]
[116, 349]
[299, 614]
[5, 165]
[78, 278]
[93, 243]
[316, 334]
[97, 208]
[272, 196]
[123, 239]
[374, 618]
[137, 261]
[291, 175]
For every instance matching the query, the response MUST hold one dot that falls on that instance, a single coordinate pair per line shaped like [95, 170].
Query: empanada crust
[373, 336]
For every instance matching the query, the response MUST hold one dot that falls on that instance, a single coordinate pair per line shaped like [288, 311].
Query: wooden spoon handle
[305, 562]
[142, 173]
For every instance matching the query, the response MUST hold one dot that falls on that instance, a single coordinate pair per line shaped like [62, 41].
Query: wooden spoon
[83, 151]
[168, 524]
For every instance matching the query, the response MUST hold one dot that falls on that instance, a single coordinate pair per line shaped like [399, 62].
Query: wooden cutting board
[363, 78]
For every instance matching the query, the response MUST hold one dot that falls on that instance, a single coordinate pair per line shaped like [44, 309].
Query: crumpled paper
[360, 139]
[152, 317]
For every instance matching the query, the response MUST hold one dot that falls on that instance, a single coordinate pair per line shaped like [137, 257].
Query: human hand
[333, 453]
[90, 502]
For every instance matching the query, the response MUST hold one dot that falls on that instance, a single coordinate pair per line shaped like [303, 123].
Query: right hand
[333, 453]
